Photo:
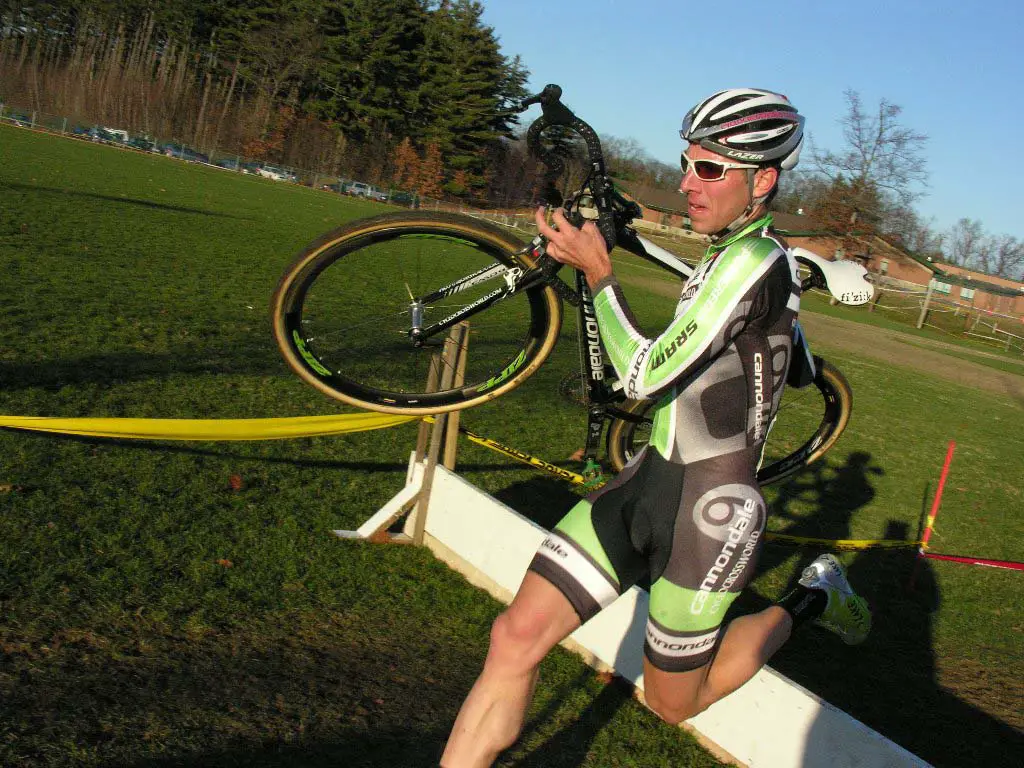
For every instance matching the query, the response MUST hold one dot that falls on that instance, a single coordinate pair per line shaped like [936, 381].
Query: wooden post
[446, 367]
[451, 438]
[449, 363]
[424, 432]
[927, 299]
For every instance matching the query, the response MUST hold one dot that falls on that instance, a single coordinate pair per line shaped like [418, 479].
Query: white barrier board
[771, 722]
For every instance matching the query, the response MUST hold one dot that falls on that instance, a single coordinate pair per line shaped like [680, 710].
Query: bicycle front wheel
[808, 423]
[343, 311]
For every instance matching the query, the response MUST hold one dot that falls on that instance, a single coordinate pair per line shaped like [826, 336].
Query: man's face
[713, 205]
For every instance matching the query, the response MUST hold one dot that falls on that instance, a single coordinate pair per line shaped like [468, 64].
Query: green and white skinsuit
[686, 514]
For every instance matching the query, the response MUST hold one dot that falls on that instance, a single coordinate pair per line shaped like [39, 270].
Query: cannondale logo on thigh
[731, 514]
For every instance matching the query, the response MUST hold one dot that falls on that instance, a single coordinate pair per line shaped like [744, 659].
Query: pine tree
[368, 75]
[466, 85]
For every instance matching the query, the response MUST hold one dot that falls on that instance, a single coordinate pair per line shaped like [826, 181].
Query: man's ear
[765, 180]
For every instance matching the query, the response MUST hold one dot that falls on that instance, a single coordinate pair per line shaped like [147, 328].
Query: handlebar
[555, 113]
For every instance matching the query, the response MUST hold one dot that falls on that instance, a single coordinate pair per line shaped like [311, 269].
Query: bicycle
[359, 313]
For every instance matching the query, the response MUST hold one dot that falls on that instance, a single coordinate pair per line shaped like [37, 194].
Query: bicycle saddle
[845, 279]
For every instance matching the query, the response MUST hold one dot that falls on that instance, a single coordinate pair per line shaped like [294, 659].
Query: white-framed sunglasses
[709, 170]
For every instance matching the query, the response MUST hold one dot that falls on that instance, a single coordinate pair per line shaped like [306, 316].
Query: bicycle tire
[626, 437]
[340, 313]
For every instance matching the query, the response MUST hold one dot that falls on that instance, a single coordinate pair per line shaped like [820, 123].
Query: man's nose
[688, 183]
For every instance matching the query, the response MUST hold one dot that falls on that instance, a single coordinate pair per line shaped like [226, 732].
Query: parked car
[338, 186]
[143, 143]
[117, 135]
[408, 199]
[182, 152]
[231, 163]
[100, 134]
[276, 173]
[358, 189]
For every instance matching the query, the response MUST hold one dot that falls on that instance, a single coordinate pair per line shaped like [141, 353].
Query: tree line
[413, 93]
[409, 92]
[338, 85]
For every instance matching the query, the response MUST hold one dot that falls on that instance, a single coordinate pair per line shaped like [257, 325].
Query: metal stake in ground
[930, 524]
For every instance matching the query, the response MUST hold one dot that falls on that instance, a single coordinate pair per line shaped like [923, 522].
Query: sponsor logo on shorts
[673, 645]
[732, 515]
[595, 582]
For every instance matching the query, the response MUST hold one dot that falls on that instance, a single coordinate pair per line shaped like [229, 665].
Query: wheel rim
[347, 315]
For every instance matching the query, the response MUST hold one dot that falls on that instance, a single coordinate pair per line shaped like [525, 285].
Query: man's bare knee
[674, 712]
[517, 641]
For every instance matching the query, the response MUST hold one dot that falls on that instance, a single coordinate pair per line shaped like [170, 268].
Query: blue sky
[956, 69]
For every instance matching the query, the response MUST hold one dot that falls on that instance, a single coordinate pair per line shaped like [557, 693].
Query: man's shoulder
[756, 248]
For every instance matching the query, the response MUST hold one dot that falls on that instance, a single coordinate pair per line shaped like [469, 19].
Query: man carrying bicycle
[687, 511]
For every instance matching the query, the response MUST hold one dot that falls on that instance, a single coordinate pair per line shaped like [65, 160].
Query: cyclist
[686, 512]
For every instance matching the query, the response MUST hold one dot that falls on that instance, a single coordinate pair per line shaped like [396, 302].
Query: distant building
[894, 266]
[663, 207]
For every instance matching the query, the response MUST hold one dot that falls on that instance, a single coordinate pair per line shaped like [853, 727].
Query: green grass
[153, 615]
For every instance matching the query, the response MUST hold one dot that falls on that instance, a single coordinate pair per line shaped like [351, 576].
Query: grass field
[152, 614]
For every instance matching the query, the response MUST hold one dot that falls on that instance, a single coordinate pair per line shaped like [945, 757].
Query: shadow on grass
[570, 745]
[295, 690]
[184, 448]
[118, 199]
[243, 358]
[891, 681]
[375, 749]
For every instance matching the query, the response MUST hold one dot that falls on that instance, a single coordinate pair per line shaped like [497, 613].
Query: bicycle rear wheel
[342, 311]
[808, 423]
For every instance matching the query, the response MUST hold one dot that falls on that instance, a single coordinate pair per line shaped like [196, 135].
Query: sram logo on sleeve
[662, 355]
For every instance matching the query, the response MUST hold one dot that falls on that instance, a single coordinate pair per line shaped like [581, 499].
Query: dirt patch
[902, 349]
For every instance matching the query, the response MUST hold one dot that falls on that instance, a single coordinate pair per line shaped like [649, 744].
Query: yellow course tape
[313, 426]
[208, 429]
[842, 543]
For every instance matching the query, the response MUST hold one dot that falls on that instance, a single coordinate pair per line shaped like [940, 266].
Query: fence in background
[85, 130]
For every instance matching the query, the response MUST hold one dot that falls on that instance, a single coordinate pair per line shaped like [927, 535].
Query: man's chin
[700, 221]
[702, 227]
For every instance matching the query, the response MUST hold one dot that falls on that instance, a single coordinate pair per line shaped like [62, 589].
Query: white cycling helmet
[749, 125]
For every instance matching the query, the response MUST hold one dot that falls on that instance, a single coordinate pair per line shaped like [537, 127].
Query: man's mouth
[696, 208]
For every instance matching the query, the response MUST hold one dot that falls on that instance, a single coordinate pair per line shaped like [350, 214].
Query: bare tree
[1008, 257]
[964, 242]
[882, 160]
[905, 228]
[968, 245]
